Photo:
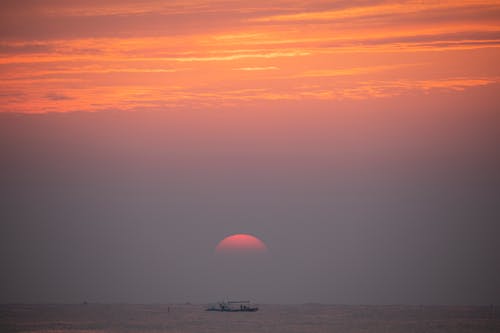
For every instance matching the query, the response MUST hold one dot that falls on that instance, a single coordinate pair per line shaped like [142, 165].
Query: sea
[303, 318]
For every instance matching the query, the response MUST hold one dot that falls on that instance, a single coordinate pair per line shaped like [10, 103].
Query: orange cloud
[387, 8]
[267, 68]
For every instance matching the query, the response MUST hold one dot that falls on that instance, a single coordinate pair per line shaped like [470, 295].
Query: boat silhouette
[233, 306]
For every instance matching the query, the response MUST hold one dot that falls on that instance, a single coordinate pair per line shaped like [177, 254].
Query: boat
[232, 306]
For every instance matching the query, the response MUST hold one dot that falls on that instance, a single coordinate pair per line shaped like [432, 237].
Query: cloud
[350, 71]
[267, 68]
[267, 55]
[379, 10]
[58, 97]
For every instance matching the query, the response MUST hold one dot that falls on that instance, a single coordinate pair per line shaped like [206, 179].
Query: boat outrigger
[233, 306]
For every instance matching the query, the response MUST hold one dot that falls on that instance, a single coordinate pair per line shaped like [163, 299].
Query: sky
[357, 139]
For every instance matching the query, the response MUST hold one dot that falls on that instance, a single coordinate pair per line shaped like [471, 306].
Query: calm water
[270, 318]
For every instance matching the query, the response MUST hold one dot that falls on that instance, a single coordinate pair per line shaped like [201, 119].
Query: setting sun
[241, 243]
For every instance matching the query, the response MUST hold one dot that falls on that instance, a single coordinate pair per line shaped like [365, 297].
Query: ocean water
[95, 318]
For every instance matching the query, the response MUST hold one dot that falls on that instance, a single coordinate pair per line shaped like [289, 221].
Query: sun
[240, 243]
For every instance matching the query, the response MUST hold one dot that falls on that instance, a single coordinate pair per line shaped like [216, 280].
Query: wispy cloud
[380, 9]
[266, 68]
[57, 97]
[335, 72]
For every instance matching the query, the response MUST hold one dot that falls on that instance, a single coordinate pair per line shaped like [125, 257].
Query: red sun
[240, 243]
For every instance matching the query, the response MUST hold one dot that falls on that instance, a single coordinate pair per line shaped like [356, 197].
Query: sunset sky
[63, 56]
[359, 140]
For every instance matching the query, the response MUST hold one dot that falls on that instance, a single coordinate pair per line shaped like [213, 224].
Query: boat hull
[234, 310]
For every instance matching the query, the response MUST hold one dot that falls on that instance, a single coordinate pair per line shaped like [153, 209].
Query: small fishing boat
[233, 306]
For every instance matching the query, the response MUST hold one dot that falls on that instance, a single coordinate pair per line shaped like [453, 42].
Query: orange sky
[62, 56]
